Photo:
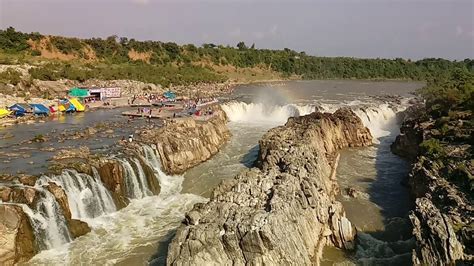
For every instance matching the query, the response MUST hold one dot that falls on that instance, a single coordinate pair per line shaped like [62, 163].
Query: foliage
[451, 91]
[449, 103]
[170, 57]
[10, 76]
[164, 75]
[432, 148]
[67, 45]
[13, 41]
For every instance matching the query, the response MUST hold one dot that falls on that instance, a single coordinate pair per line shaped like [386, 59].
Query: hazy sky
[359, 28]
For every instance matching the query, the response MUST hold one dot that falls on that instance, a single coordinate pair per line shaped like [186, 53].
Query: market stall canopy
[66, 106]
[4, 112]
[169, 95]
[78, 92]
[78, 105]
[21, 108]
[39, 109]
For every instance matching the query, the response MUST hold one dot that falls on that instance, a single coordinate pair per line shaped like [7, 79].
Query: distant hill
[167, 63]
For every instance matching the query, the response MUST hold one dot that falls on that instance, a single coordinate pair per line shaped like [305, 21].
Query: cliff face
[185, 143]
[442, 185]
[283, 211]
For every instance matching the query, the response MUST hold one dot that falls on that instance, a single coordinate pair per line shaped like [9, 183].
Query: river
[139, 233]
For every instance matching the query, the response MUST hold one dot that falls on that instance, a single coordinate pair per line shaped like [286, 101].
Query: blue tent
[39, 109]
[169, 95]
[20, 109]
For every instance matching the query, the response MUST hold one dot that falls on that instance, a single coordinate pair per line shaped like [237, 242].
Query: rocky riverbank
[441, 181]
[284, 210]
[86, 185]
[187, 142]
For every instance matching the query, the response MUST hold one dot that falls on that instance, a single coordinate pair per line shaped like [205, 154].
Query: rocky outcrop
[17, 241]
[76, 227]
[411, 133]
[443, 217]
[282, 212]
[441, 183]
[437, 241]
[187, 142]
[111, 175]
[17, 194]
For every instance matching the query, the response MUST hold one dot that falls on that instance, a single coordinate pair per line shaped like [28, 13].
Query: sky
[357, 28]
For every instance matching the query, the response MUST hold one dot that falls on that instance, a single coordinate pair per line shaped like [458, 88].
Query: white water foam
[87, 196]
[262, 113]
[131, 234]
[47, 221]
[380, 118]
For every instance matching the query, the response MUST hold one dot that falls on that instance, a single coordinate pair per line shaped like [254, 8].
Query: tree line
[169, 58]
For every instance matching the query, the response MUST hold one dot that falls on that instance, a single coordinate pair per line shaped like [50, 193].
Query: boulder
[17, 241]
[77, 228]
[27, 180]
[111, 175]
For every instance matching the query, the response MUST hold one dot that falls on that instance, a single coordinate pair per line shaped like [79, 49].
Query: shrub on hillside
[47, 72]
[67, 45]
[10, 76]
[432, 148]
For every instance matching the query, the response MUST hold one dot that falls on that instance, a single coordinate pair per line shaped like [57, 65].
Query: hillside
[165, 63]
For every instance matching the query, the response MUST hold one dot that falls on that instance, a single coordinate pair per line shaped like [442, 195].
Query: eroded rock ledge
[184, 143]
[282, 212]
[441, 183]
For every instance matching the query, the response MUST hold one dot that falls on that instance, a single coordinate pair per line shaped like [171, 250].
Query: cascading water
[131, 180]
[135, 179]
[142, 178]
[168, 185]
[87, 196]
[262, 113]
[47, 221]
[380, 120]
[132, 234]
[382, 191]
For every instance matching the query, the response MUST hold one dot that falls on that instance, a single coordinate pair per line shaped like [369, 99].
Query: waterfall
[379, 118]
[117, 237]
[169, 184]
[135, 179]
[142, 178]
[261, 113]
[87, 196]
[48, 222]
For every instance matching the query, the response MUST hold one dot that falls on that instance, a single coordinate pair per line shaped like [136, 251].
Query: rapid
[139, 233]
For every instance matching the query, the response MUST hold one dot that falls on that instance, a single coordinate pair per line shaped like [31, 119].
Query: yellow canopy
[78, 105]
[4, 112]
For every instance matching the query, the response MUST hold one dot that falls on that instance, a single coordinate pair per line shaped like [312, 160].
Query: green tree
[242, 46]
